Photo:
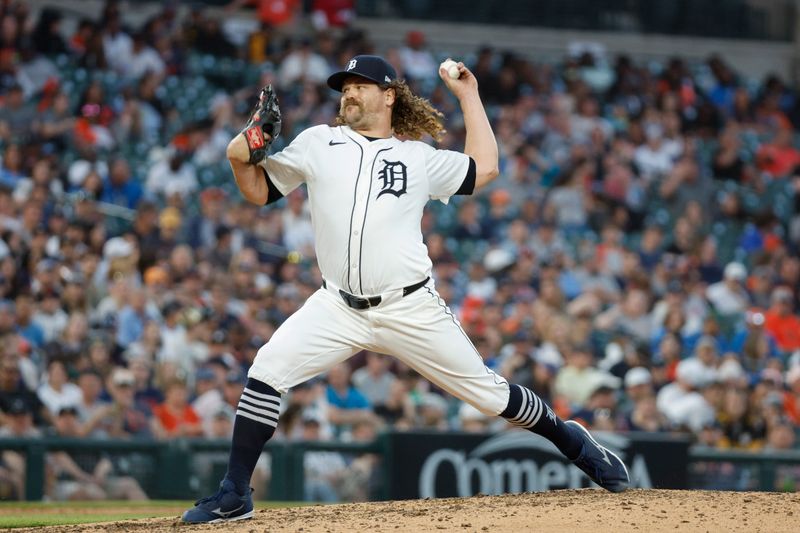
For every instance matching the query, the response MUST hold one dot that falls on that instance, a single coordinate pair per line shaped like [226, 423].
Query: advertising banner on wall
[440, 465]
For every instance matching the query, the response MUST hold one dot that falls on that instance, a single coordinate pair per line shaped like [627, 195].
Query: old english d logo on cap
[373, 68]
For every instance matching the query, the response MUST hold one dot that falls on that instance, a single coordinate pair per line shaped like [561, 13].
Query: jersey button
[355, 233]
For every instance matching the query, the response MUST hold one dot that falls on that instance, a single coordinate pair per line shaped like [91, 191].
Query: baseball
[452, 69]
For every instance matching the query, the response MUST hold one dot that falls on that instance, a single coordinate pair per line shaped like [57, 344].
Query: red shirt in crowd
[173, 421]
[785, 329]
[779, 161]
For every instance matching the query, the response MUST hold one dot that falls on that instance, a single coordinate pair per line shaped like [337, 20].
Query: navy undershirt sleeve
[468, 185]
[273, 194]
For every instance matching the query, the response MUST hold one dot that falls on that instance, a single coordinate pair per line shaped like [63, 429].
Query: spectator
[780, 436]
[117, 44]
[374, 380]
[275, 13]
[233, 386]
[144, 59]
[18, 424]
[645, 416]
[13, 390]
[175, 416]
[298, 231]
[431, 412]
[84, 475]
[132, 319]
[656, 158]
[303, 64]
[203, 229]
[629, 316]
[207, 397]
[221, 425]
[16, 117]
[728, 164]
[146, 391]
[753, 343]
[124, 417]
[600, 410]
[24, 310]
[174, 174]
[578, 378]
[120, 188]
[741, 428]
[779, 157]
[323, 470]
[791, 398]
[417, 61]
[11, 173]
[398, 411]
[346, 404]
[57, 392]
[781, 322]
[680, 401]
[332, 13]
[90, 384]
[638, 383]
[729, 296]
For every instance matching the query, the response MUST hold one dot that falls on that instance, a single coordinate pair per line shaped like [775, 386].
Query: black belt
[360, 302]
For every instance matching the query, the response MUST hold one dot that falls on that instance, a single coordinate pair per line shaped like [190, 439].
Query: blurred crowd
[636, 262]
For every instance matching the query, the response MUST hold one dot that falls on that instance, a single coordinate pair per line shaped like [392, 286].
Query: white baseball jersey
[366, 200]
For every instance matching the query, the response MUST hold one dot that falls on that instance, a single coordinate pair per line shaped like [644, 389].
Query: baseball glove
[266, 119]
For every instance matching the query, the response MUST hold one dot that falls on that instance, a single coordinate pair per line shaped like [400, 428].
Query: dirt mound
[588, 510]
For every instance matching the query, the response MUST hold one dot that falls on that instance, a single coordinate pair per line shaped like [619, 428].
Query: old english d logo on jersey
[394, 178]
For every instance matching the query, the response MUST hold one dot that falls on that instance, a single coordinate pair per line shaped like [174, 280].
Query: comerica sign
[446, 465]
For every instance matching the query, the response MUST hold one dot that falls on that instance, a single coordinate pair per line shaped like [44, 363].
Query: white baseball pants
[418, 329]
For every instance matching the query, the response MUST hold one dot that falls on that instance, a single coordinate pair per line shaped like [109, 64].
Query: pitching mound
[588, 510]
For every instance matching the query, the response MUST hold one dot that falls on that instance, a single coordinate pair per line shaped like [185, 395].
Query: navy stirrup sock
[255, 423]
[526, 410]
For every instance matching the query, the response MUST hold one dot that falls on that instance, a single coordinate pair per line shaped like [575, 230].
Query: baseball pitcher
[367, 187]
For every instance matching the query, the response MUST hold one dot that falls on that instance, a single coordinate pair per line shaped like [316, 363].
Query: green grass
[35, 514]
[95, 504]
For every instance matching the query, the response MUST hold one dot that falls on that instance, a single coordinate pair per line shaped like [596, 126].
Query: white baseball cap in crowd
[117, 247]
[123, 376]
[497, 259]
[730, 370]
[636, 376]
[735, 270]
[690, 371]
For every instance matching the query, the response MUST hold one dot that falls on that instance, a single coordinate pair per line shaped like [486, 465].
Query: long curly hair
[412, 116]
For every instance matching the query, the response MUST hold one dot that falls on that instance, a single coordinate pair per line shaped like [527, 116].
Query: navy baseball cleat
[224, 506]
[601, 465]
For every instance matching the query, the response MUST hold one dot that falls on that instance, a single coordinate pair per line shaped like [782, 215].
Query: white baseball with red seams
[451, 67]
[366, 199]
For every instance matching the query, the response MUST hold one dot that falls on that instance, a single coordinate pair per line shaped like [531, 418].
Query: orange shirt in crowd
[791, 406]
[785, 330]
[172, 421]
[777, 160]
[276, 12]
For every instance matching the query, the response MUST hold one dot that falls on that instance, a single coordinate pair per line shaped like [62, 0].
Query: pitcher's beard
[354, 118]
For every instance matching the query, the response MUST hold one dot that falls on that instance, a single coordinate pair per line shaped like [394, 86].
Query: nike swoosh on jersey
[334, 143]
[226, 514]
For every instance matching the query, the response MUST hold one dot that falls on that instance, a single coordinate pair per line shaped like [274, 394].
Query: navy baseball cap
[374, 68]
